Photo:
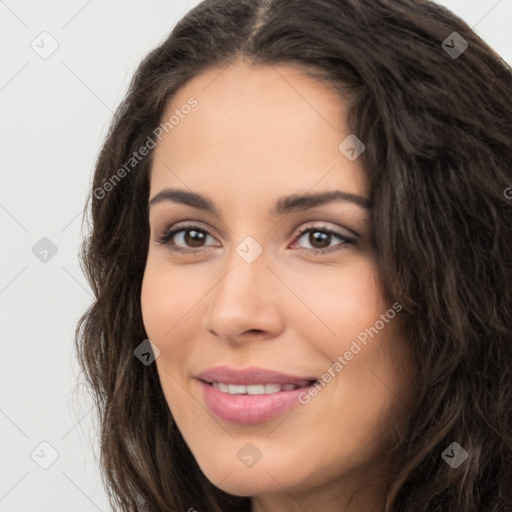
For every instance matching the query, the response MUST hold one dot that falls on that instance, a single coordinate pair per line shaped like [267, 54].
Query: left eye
[191, 239]
[323, 236]
[192, 235]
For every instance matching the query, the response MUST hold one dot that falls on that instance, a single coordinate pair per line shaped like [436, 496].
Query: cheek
[162, 307]
[157, 303]
[350, 305]
[172, 303]
[167, 296]
[346, 300]
[164, 313]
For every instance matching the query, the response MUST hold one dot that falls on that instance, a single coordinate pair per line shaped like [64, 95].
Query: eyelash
[167, 236]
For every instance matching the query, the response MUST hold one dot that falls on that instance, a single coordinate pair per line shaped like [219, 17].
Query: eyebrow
[283, 205]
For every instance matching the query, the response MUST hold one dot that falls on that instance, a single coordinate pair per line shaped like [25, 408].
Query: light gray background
[54, 116]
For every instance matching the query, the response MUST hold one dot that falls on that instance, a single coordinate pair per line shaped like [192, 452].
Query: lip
[251, 375]
[250, 409]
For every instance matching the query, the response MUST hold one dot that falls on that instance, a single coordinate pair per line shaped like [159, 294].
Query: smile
[255, 389]
[252, 395]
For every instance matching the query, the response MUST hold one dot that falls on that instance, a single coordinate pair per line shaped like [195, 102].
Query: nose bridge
[246, 277]
[243, 299]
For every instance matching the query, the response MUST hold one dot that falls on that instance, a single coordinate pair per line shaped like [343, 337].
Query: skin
[259, 133]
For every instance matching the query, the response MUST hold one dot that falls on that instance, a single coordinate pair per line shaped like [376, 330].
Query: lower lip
[249, 409]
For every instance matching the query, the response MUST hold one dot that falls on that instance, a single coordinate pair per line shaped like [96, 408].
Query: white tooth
[235, 389]
[255, 389]
[222, 387]
[272, 388]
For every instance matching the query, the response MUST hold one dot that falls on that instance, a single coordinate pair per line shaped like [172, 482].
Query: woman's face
[247, 312]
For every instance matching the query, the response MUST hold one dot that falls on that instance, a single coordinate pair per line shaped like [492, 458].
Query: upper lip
[251, 375]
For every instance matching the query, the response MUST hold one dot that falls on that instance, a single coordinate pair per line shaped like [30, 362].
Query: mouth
[258, 389]
[252, 395]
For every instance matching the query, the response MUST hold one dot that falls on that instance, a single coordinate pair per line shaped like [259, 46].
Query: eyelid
[323, 226]
[169, 233]
[191, 224]
[345, 240]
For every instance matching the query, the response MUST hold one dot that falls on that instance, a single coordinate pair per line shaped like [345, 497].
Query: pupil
[323, 237]
[194, 238]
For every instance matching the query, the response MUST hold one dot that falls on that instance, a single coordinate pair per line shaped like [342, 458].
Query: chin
[248, 484]
[242, 481]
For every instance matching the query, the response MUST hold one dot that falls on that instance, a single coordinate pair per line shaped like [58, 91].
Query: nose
[246, 302]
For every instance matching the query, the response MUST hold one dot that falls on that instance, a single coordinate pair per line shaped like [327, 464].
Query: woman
[303, 205]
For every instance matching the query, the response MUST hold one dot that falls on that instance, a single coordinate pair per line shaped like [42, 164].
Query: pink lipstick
[250, 395]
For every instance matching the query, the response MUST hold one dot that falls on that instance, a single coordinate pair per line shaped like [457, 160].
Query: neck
[337, 497]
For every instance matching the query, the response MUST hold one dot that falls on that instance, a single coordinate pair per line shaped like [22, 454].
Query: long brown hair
[438, 133]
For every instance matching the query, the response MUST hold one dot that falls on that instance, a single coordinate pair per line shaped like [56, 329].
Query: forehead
[256, 128]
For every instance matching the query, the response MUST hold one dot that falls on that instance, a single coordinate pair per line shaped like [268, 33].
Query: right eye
[189, 238]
